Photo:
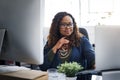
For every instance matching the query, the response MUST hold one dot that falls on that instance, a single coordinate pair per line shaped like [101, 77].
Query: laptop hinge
[2, 34]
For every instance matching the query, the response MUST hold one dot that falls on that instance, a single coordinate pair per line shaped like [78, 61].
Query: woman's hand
[59, 44]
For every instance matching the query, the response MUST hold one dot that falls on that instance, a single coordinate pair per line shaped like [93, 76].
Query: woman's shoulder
[84, 38]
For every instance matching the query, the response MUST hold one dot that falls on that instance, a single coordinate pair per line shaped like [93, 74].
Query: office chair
[84, 32]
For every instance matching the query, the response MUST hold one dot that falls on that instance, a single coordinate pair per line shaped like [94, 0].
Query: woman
[66, 43]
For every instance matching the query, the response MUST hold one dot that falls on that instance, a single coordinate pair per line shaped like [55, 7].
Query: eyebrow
[66, 23]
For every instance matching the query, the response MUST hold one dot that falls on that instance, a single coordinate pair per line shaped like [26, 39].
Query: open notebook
[6, 68]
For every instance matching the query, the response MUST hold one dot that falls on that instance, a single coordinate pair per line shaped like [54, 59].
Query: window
[52, 7]
[87, 13]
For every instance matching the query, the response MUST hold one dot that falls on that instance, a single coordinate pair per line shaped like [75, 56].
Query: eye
[70, 24]
[64, 24]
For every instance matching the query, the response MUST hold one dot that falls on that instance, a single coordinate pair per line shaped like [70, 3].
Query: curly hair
[54, 33]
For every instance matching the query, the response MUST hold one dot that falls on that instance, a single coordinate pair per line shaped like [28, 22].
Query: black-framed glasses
[64, 25]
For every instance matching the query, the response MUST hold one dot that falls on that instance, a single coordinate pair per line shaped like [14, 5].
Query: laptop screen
[107, 41]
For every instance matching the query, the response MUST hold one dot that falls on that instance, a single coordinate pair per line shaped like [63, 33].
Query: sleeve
[48, 58]
[88, 52]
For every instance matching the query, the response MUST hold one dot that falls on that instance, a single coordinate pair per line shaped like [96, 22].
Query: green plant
[70, 69]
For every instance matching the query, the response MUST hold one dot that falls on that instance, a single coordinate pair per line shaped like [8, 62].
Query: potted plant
[70, 69]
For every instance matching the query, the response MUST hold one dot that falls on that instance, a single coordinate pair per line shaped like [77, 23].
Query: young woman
[66, 43]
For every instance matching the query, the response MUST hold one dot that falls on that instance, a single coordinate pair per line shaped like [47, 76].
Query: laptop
[107, 50]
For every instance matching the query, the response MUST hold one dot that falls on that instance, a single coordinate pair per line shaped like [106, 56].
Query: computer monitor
[23, 22]
[107, 49]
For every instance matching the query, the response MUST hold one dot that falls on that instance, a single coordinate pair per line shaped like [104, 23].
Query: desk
[24, 75]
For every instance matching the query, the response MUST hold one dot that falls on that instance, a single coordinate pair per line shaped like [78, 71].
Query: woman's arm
[49, 53]
[88, 52]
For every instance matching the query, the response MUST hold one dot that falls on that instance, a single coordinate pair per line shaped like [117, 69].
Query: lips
[67, 31]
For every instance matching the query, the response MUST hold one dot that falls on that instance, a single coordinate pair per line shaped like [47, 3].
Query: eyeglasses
[65, 25]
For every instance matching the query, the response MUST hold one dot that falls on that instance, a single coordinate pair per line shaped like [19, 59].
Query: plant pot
[71, 78]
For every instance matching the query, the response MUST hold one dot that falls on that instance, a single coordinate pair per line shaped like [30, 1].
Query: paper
[6, 69]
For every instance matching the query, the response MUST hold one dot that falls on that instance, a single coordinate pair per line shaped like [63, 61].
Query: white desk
[24, 75]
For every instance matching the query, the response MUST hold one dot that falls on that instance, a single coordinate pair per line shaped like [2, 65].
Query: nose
[67, 27]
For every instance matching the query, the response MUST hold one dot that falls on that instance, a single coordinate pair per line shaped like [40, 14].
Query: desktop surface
[24, 75]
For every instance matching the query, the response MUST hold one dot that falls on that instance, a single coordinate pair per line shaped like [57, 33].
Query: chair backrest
[84, 32]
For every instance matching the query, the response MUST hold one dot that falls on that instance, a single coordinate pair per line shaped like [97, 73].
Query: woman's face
[66, 26]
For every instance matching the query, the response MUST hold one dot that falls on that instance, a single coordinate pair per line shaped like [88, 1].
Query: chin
[67, 35]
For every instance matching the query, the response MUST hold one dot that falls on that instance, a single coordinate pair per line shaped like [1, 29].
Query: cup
[52, 74]
[61, 76]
